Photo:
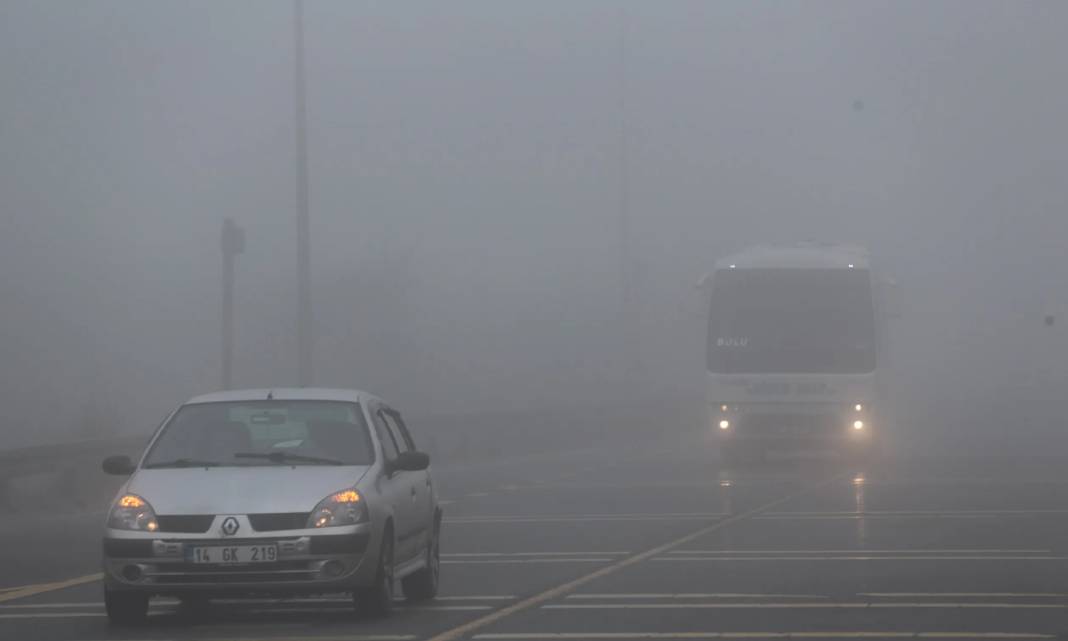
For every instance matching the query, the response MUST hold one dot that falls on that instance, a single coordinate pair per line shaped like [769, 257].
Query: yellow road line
[41, 588]
[570, 586]
[53, 615]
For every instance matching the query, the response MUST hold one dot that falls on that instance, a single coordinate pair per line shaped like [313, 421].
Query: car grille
[185, 523]
[279, 521]
[190, 573]
[790, 424]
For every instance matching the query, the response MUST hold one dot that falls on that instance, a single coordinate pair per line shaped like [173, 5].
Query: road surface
[647, 544]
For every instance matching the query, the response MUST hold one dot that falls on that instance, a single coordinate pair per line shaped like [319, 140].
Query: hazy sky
[466, 166]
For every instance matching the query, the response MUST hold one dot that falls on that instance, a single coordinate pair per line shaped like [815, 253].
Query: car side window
[389, 445]
[396, 428]
[405, 434]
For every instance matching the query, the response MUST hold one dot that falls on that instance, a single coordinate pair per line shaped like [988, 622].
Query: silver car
[273, 492]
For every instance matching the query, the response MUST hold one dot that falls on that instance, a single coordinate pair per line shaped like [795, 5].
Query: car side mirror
[119, 465]
[412, 461]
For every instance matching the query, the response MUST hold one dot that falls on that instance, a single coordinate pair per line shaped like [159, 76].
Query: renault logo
[230, 526]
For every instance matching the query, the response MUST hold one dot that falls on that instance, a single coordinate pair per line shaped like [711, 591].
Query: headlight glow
[858, 425]
[724, 424]
[345, 507]
[858, 407]
[131, 512]
[132, 501]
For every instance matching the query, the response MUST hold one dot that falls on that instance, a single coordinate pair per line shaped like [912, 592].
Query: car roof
[799, 256]
[285, 394]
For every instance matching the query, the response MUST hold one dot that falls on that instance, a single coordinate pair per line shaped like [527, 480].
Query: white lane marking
[495, 597]
[156, 604]
[977, 595]
[81, 615]
[808, 634]
[52, 615]
[919, 514]
[878, 517]
[446, 501]
[754, 552]
[568, 518]
[544, 560]
[696, 595]
[528, 554]
[721, 559]
[419, 608]
[801, 606]
[347, 637]
[568, 587]
[474, 495]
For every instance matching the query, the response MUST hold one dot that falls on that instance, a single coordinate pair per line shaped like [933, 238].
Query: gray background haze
[466, 184]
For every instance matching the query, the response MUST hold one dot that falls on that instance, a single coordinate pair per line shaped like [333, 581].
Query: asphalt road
[643, 544]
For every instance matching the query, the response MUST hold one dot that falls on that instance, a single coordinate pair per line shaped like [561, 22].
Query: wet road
[634, 544]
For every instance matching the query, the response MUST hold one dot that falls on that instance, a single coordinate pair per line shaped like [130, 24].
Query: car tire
[423, 585]
[125, 608]
[376, 601]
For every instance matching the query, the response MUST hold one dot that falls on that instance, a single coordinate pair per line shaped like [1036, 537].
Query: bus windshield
[789, 321]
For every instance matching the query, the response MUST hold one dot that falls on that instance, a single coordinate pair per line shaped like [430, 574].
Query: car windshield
[263, 433]
[791, 321]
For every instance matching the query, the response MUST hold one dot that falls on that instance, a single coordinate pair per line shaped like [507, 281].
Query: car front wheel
[377, 601]
[423, 585]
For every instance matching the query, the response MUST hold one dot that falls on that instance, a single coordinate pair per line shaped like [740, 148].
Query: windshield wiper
[288, 457]
[183, 462]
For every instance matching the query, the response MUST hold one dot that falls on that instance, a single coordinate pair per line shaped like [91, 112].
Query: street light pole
[304, 308]
[627, 274]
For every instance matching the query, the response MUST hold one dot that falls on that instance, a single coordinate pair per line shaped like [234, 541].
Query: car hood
[242, 490]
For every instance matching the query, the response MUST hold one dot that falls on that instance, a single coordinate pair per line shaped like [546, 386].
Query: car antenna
[270, 395]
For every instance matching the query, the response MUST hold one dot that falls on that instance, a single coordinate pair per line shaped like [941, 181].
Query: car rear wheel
[377, 601]
[423, 585]
[125, 608]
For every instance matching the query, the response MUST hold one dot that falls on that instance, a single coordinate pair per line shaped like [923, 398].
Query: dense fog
[470, 165]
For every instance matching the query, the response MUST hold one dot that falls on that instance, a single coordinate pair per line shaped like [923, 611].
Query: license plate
[233, 554]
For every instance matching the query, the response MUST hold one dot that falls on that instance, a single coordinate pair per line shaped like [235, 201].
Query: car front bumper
[308, 562]
[796, 427]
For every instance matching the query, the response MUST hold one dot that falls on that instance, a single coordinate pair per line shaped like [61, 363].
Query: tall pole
[626, 266]
[304, 307]
[232, 243]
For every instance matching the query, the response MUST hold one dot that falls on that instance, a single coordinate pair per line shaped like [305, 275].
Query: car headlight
[346, 507]
[131, 512]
